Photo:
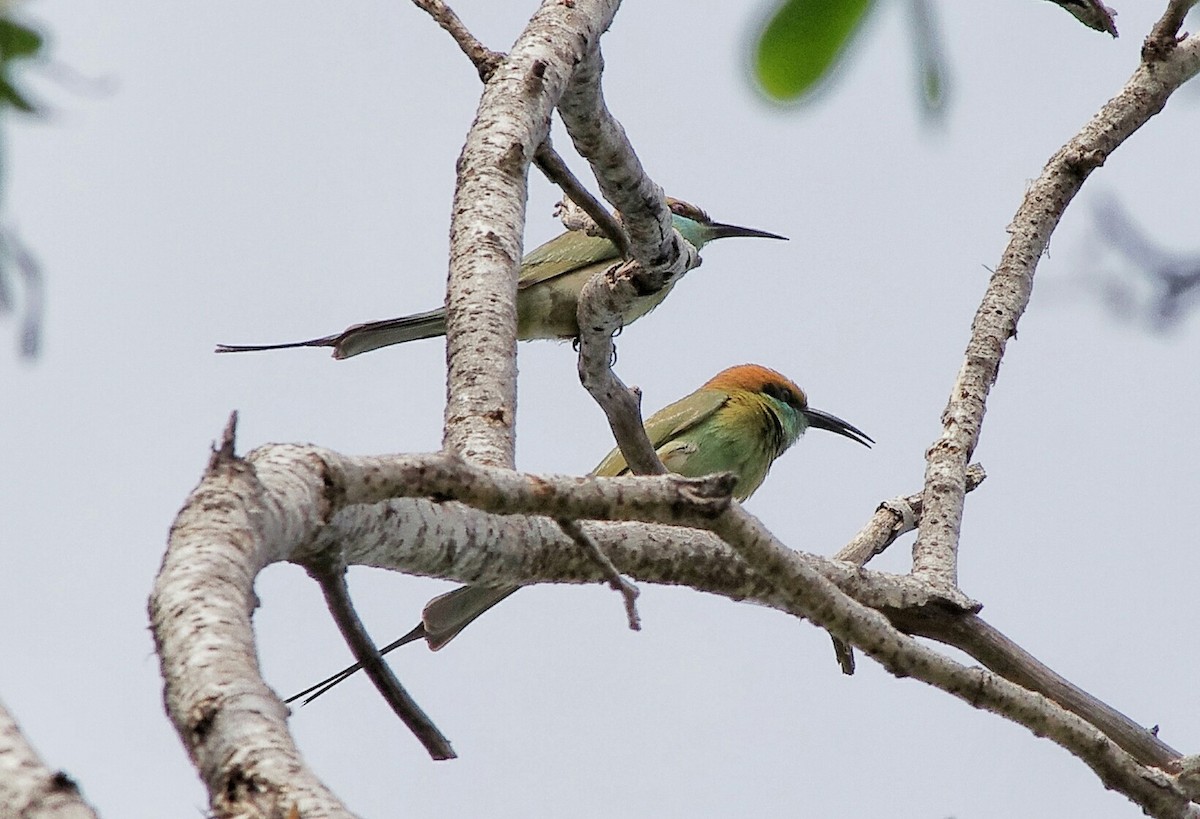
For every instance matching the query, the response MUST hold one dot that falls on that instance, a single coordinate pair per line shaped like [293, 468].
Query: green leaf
[932, 74]
[802, 41]
[9, 95]
[17, 41]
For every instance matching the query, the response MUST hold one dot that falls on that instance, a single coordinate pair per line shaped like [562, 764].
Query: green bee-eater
[740, 421]
[547, 290]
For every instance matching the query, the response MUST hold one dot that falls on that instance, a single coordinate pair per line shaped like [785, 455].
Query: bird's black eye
[777, 392]
[784, 395]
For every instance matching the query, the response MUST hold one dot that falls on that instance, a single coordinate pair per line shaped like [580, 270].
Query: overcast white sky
[272, 171]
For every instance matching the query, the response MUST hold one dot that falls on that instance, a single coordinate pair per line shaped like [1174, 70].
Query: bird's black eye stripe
[780, 393]
[783, 394]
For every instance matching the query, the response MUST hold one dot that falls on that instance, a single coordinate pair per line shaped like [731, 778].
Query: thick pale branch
[1008, 292]
[488, 219]
[546, 158]
[29, 789]
[232, 725]
[455, 542]
[369, 479]
[664, 256]
[300, 502]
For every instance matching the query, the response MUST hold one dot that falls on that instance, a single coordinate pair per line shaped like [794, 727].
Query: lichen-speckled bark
[488, 219]
[28, 788]
[233, 726]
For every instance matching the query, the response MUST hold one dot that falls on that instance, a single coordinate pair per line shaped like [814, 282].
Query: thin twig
[337, 597]
[893, 519]
[484, 59]
[551, 164]
[616, 582]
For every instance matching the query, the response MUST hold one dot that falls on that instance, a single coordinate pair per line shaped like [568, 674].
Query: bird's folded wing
[666, 424]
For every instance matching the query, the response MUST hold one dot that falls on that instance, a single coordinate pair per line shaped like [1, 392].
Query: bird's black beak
[716, 230]
[823, 420]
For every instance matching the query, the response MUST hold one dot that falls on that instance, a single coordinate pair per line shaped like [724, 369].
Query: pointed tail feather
[314, 691]
[441, 621]
[448, 614]
[324, 341]
[362, 338]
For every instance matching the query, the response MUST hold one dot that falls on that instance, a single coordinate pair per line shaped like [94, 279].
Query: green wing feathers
[562, 254]
[665, 425]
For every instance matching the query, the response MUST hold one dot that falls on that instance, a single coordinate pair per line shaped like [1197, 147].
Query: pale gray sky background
[272, 171]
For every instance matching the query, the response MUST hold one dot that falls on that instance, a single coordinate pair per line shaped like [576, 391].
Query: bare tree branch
[1164, 36]
[264, 511]
[662, 554]
[310, 505]
[660, 256]
[816, 599]
[233, 727]
[892, 519]
[554, 169]
[1092, 13]
[1144, 95]
[601, 140]
[30, 790]
[484, 59]
[628, 591]
[332, 580]
[546, 158]
[971, 634]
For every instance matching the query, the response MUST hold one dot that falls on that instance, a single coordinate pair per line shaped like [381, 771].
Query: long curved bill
[717, 230]
[823, 420]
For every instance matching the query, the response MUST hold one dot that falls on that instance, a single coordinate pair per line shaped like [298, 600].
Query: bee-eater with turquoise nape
[547, 291]
[740, 421]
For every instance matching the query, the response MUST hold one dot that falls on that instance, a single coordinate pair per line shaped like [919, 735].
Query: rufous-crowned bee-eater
[740, 421]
